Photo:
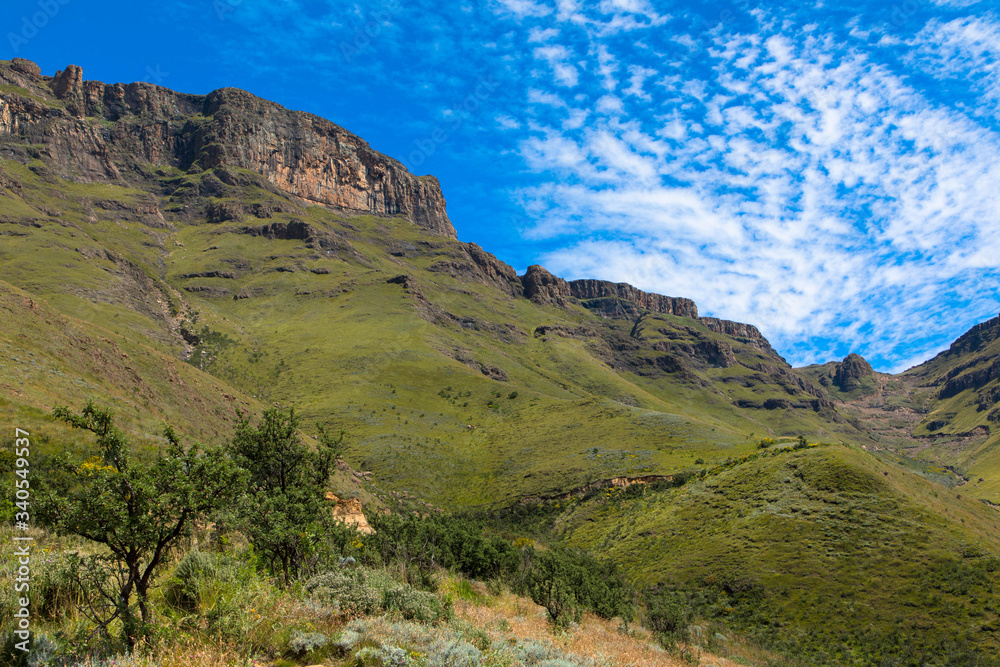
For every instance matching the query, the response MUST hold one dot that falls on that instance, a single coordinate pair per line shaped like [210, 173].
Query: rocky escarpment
[90, 131]
[971, 362]
[745, 333]
[607, 298]
[975, 338]
[961, 379]
[495, 272]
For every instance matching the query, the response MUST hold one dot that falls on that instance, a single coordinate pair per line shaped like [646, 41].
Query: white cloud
[955, 4]
[543, 34]
[638, 76]
[564, 73]
[522, 8]
[965, 50]
[804, 188]
[506, 122]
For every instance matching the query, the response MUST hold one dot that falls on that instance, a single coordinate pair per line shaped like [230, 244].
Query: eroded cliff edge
[92, 131]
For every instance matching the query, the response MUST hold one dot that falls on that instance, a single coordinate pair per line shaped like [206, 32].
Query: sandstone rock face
[26, 67]
[601, 289]
[544, 288]
[958, 381]
[300, 154]
[312, 158]
[350, 512]
[851, 371]
[975, 338]
[67, 84]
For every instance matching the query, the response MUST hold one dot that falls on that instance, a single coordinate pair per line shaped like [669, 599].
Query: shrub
[283, 511]
[364, 591]
[54, 594]
[139, 512]
[548, 585]
[382, 656]
[414, 604]
[668, 615]
[347, 640]
[183, 590]
[301, 643]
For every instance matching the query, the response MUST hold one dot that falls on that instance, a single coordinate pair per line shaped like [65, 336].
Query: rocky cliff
[971, 362]
[975, 338]
[88, 130]
[746, 333]
[610, 299]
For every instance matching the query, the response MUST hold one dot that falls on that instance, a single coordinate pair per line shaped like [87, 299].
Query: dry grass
[192, 653]
[510, 617]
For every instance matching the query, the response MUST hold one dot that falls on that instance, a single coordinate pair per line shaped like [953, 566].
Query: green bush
[450, 542]
[183, 590]
[668, 615]
[415, 605]
[594, 585]
[283, 511]
[363, 591]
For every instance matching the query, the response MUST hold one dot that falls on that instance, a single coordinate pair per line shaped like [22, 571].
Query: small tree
[549, 586]
[139, 511]
[284, 509]
[668, 615]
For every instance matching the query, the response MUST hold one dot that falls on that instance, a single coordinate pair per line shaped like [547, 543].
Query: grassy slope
[324, 330]
[841, 548]
[950, 439]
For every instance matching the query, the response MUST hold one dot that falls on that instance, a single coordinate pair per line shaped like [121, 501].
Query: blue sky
[828, 171]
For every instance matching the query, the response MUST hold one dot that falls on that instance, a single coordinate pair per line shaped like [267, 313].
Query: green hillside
[153, 261]
[506, 396]
[825, 552]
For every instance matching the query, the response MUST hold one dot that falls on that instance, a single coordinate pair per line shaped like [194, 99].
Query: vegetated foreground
[143, 570]
[156, 261]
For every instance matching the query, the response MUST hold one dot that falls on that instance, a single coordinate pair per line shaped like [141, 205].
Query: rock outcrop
[350, 512]
[958, 382]
[298, 153]
[850, 372]
[607, 298]
[495, 272]
[544, 288]
[745, 333]
[596, 290]
[975, 338]
[27, 67]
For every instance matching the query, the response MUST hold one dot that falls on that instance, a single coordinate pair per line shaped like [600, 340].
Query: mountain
[281, 254]
[180, 257]
[942, 414]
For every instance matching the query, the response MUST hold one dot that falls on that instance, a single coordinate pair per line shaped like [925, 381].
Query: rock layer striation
[92, 131]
